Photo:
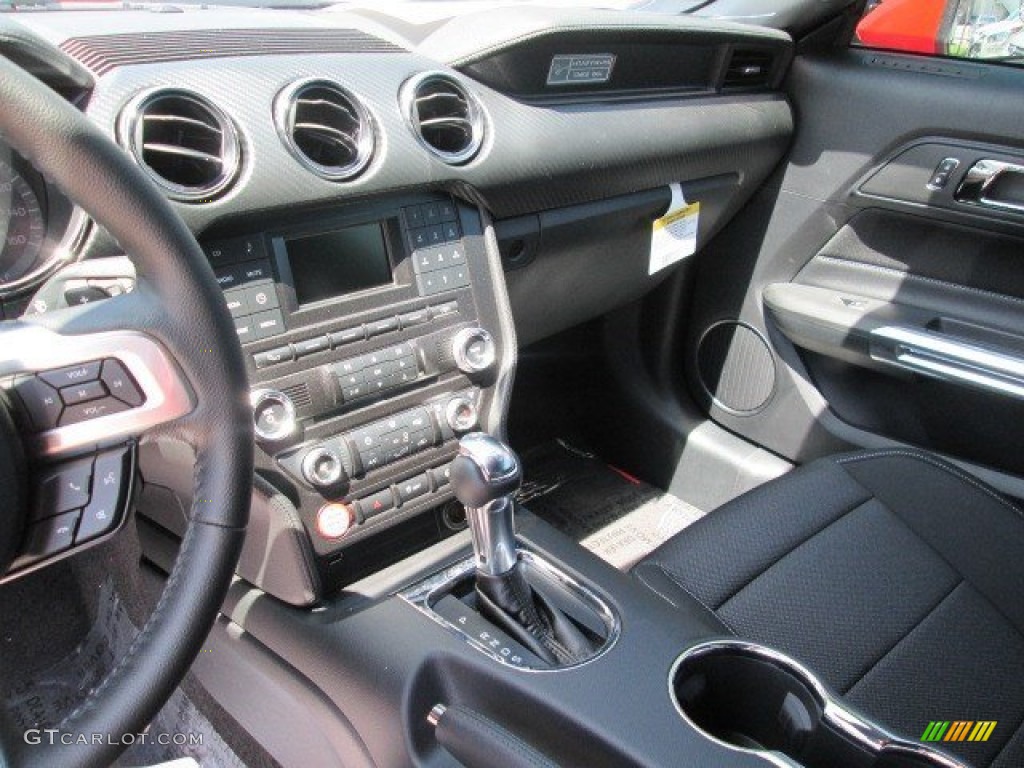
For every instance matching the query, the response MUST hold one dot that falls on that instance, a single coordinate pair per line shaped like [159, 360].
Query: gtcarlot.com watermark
[53, 737]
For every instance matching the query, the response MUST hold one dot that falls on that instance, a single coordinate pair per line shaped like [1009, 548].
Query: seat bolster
[725, 550]
[663, 584]
[977, 531]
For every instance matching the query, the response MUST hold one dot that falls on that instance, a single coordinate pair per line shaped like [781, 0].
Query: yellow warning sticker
[674, 235]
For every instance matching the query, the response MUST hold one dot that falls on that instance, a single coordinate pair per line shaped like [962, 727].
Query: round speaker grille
[736, 367]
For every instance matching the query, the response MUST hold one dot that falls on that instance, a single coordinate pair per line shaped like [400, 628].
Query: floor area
[88, 610]
[618, 517]
[46, 697]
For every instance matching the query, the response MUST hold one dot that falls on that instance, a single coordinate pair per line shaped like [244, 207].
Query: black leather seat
[896, 577]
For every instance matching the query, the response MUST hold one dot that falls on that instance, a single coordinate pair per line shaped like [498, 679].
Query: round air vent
[446, 119]
[326, 128]
[186, 144]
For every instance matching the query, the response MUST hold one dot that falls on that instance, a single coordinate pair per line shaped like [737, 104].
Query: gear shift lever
[485, 477]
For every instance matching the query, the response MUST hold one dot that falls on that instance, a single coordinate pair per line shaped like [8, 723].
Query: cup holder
[754, 699]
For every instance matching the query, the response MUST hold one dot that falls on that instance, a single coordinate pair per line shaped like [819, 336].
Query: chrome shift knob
[485, 477]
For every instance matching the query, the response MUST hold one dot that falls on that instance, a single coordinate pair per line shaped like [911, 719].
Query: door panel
[894, 308]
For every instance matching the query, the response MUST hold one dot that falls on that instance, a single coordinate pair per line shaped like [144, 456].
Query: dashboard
[391, 211]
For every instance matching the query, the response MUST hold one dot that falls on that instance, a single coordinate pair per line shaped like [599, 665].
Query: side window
[971, 29]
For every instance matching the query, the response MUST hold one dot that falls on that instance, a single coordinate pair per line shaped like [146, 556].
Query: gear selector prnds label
[581, 69]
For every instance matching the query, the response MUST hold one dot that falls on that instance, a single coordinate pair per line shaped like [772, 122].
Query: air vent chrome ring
[360, 147]
[222, 162]
[474, 118]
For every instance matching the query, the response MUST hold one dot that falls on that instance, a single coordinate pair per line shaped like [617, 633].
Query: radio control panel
[373, 340]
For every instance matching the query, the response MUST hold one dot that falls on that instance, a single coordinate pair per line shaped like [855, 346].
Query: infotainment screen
[331, 264]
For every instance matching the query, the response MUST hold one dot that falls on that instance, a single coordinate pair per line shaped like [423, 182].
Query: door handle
[979, 186]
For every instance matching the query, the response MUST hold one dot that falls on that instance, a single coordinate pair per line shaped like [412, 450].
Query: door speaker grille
[736, 367]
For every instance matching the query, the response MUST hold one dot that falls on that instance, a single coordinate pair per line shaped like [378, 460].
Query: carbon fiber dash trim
[102, 53]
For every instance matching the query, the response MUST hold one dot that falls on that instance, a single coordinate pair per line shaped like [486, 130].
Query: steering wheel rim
[178, 307]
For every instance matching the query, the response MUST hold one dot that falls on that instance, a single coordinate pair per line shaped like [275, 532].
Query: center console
[378, 341]
[374, 339]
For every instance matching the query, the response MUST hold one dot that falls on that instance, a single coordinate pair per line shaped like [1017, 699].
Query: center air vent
[186, 144]
[326, 128]
[444, 116]
[748, 68]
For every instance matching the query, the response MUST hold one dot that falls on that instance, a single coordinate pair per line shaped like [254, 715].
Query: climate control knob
[473, 350]
[273, 414]
[461, 413]
[323, 468]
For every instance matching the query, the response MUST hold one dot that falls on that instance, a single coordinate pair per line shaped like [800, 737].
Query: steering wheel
[174, 335]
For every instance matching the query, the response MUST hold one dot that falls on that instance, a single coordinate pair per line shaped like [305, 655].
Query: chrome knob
[473, 350]
[322, 467]
[461, 413]
[273, 414]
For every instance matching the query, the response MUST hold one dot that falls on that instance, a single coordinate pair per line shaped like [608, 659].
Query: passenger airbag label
[581, 68]
[674, 235]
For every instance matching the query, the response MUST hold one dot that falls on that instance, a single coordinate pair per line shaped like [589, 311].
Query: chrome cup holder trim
[858, 729]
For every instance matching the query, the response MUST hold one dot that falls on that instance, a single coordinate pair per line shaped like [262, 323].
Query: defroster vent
[749, 68]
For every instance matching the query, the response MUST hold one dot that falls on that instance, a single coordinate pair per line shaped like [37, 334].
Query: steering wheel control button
[377, 503]
[41, 401]
[63, 489]
[96, 409]
[461, 413]
[75, 374]
[120, 384]
[274, 356]
[273, 414]
[83, 393]
[473, 350]
[323, 468]
[48, 537]
[101, 513]
[334, 520]
[86, 294]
